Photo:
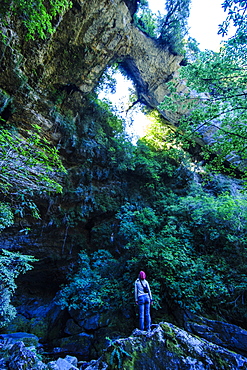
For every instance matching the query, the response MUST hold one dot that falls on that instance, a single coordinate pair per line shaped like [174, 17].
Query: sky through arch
[205, 17]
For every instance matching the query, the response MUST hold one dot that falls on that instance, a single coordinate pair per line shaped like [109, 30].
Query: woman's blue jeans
[144, 312]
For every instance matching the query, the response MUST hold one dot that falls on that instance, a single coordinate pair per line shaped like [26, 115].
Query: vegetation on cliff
[38, 17]
[189, 236]
[216, 99]
[11, 265]
[129, 207]
[181, 223]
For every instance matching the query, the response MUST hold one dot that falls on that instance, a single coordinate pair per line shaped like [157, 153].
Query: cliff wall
[47, 84]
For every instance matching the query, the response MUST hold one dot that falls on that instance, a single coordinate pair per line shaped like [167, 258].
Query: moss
[168, 330]
[19, 324]
[36, 326]
[183, 350]
[219, 362]
[30, 341]
[174, 347]
[172, 344]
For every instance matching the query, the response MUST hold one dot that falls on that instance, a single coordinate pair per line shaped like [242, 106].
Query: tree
[146, 20]
[168, 29]
[215, 103]
[28, 164]
[173, 26]
[236, 16]
[94, 285]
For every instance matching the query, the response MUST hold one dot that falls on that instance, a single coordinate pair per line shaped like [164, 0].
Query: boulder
[38, 316]
[23, 358]
[92, 322]
[226, 335]
[72, 328]
[27, 338]
[79, 344]
[167, 347]
[61, 364]
[89, 321]
[72, 360]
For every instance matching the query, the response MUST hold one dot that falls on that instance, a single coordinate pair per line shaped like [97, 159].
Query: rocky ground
[164, 347]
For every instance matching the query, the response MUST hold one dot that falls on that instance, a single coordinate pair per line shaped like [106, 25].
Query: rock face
[167, 347]
[88, 38]
[221, 333]
[46, 83]
[145, 64]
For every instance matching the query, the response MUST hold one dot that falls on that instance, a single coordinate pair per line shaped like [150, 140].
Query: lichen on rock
[167, 347]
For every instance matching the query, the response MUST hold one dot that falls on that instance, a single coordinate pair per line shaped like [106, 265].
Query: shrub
[11, 266]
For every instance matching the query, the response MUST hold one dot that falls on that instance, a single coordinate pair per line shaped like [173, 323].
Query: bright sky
[205, 16]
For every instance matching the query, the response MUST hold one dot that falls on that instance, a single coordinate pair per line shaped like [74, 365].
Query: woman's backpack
[145, 288]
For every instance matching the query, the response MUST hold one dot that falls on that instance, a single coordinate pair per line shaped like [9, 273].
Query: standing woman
[143, 298]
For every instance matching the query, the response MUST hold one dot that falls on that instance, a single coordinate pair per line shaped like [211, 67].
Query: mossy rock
[167, 347]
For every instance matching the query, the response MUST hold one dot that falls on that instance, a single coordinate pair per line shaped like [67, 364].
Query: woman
[143, 298]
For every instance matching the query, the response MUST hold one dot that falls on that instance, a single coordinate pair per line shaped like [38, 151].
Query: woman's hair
[142, 275]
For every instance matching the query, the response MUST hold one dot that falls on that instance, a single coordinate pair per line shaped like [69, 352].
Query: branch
[131, 106]
[219, 128]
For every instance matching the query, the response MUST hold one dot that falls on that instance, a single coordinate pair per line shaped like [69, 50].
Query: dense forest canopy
[182, 221]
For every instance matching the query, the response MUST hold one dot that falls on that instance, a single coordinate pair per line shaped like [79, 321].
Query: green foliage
[173, 26]
[218, 222]
[94, 286]
[25, 206]
[236, 46]
[37, 16]
[215, 105]
[236, 16]
[152, 160]
[6, 216]
[168, 29]
[117, 352]
[187, 244]
[159, 138]
[189, 240]
[11, 265]
[136, 224]
[192, 49]
[111, 117]
[108, 82]
[28, 164]
[146, 21]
